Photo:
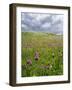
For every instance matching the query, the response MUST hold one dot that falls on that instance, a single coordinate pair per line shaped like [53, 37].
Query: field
[42, 54]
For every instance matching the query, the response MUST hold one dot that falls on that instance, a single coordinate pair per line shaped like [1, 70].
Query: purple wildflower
[36, 56]
[29, 62]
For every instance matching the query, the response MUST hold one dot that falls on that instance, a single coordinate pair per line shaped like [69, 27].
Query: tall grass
[49, 47]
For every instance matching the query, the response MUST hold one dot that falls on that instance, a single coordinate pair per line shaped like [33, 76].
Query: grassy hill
[50, 49]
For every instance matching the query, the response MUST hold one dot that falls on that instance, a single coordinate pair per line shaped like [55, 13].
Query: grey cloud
[52, 23]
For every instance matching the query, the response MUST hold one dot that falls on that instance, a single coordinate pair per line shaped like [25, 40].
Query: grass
[50, 49]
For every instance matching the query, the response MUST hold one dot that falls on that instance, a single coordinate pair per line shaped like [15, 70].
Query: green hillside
[50, 49]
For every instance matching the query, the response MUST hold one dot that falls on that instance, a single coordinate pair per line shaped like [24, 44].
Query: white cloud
[23, 25]
[42, 22]
[57, 17]
[46, 25]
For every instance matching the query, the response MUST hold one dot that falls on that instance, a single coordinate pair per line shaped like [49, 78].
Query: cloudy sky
[42, 22]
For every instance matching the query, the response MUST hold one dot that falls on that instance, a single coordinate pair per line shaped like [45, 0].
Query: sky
[42, 22]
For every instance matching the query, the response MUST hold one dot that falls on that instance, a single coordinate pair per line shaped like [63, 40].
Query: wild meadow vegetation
[42, 54]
